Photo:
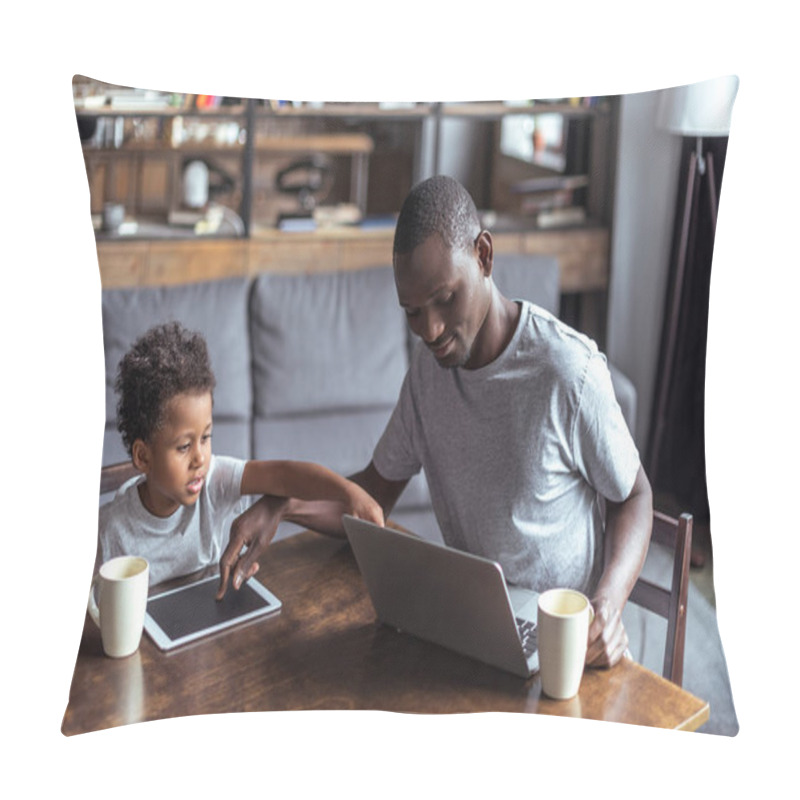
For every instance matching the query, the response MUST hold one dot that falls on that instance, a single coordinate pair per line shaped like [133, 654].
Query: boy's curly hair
[165, 361]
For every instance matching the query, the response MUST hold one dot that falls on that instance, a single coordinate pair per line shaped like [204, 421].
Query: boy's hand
[363, 506]
[254, 529]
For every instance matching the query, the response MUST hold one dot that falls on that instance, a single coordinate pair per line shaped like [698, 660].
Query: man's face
[446, 295]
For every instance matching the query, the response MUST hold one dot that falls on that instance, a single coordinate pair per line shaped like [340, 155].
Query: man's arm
[385, 492]
[627, 536]
[256, 527]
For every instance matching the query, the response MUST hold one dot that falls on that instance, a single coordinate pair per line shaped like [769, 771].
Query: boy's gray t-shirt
[517, 454]
[190, 539]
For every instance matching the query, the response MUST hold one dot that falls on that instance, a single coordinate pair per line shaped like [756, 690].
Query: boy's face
[176, 459]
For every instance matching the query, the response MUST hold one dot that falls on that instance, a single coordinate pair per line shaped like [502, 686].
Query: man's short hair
[166, 361]
[437, 205]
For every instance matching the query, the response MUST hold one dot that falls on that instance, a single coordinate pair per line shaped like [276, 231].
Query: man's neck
[497, 330]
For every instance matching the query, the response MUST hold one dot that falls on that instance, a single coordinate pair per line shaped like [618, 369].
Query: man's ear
[485, 249]
[140, 454]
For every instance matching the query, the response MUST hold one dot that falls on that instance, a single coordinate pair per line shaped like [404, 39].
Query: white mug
[564, 616]
[119, 610]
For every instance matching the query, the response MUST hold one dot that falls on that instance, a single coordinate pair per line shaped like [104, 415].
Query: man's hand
[253, 529]
[608, 640]
[627, 536]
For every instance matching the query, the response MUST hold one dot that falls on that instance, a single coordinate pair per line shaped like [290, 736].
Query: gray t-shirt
[190, 539]
[517, 454]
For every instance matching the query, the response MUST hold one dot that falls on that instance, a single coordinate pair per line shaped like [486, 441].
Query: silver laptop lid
[440, 594]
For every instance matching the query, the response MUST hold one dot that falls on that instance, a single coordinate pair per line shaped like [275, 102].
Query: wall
[462, 154]
[644, 208]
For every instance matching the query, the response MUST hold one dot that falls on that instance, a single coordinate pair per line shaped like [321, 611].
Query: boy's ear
[140, 454]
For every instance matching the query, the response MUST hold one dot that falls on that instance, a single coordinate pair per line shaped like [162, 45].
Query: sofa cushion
[341, 441]
[535, 278]
[217, 309]
[230, 438]
[326, 342]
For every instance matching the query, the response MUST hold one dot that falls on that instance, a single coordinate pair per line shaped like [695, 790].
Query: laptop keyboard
[527, 635]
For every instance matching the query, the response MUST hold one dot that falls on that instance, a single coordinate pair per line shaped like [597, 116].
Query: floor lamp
[698, 111]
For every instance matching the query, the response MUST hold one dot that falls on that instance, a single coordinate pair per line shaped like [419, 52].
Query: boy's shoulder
[123, 503]
[225, 468]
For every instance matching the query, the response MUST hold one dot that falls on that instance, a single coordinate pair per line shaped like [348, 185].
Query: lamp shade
[699, 109]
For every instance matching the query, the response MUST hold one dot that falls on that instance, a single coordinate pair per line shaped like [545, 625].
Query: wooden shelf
[162, 148]
[582, 255]
[222, 112]
[491, 111]
[474, 109]
[361, 110]
[332, 143]
[145, 175]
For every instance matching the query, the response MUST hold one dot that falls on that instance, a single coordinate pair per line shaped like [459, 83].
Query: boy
[178, 512]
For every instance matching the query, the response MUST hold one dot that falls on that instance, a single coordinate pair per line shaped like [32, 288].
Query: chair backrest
[114, 475]
[675, 534]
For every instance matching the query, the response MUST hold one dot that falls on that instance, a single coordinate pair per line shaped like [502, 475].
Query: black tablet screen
[195, 608]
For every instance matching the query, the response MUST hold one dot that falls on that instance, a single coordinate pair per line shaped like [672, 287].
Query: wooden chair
[113, 476]
[675, 534]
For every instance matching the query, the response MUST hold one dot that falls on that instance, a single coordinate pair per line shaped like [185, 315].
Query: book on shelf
[138, 100]
[332, 216]
[544, 201]
[550, 183]
[296, 222]
[561, 217]
[183, 217]
[379, 222]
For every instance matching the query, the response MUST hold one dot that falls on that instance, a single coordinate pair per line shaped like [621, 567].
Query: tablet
[190, 612]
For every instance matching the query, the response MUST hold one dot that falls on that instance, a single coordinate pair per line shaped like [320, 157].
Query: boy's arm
[306, 481]
[257, 526]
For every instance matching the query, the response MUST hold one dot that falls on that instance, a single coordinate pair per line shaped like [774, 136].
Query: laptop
[446, 596]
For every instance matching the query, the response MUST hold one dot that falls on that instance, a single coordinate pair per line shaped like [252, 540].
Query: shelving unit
[388, 149]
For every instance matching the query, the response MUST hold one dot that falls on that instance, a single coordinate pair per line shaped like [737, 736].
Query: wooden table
[326, 651]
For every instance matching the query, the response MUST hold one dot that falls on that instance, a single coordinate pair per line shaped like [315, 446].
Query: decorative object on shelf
[203, 180]
[699, 112]
[195, 184]
[113, 216]
[207, 101]
[309, 179]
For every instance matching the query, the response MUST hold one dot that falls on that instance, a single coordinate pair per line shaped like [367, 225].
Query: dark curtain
[677, 457]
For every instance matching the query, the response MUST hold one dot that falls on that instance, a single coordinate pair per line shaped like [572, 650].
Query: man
[514, 420]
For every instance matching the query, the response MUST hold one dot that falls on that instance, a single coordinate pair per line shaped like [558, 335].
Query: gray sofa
[308, 366]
